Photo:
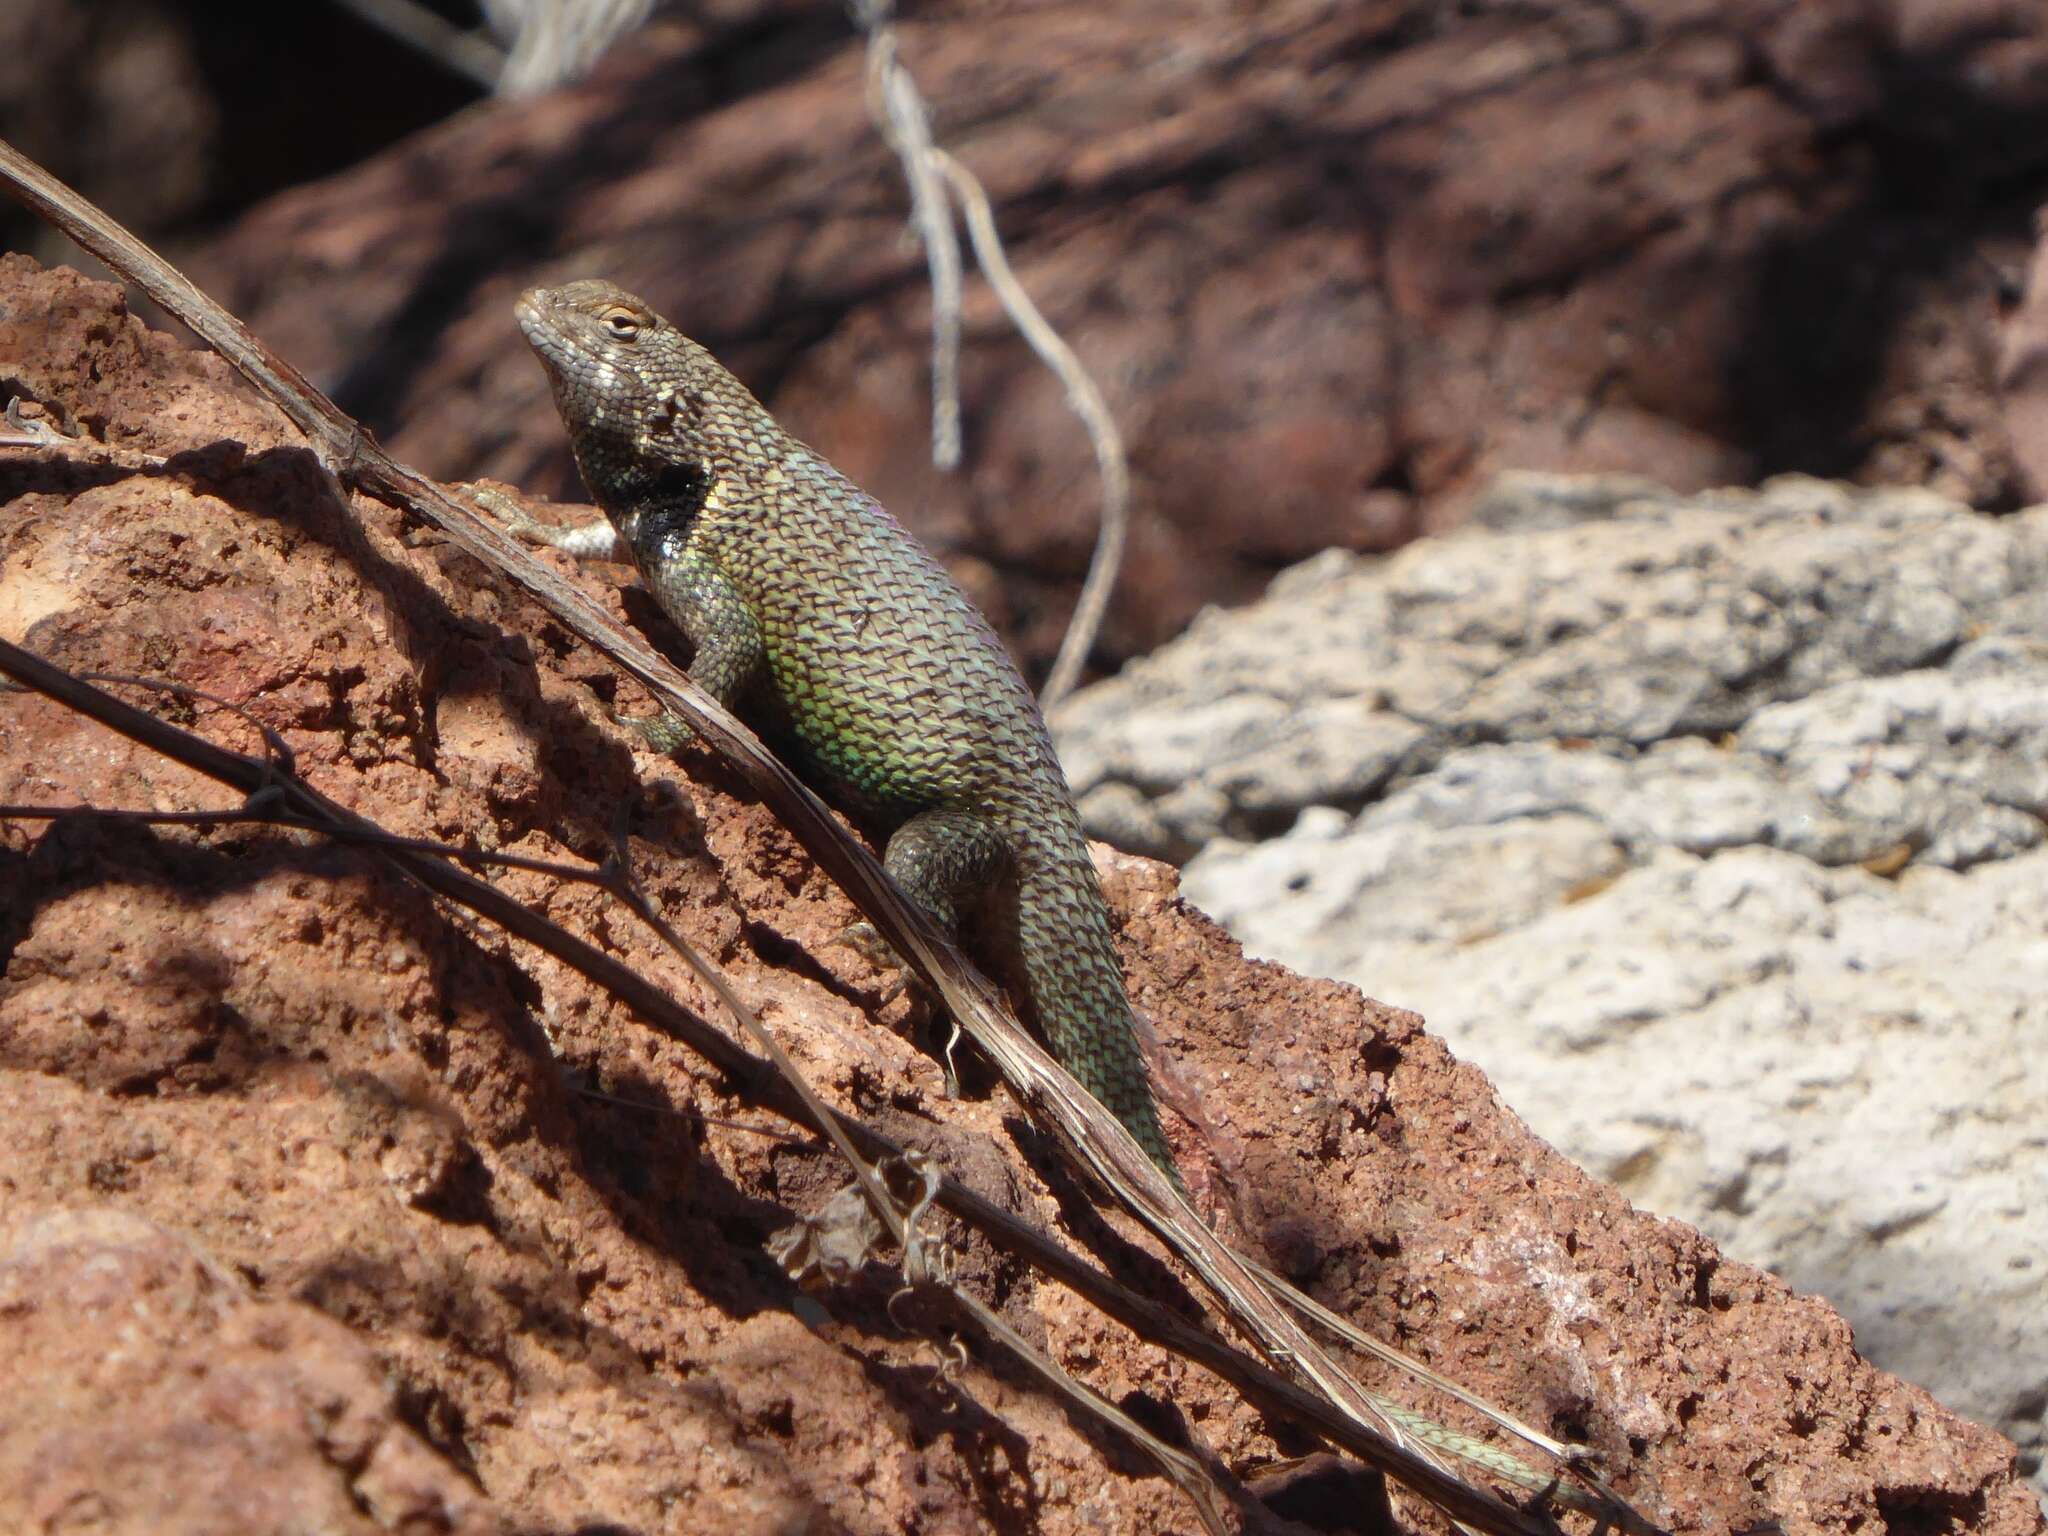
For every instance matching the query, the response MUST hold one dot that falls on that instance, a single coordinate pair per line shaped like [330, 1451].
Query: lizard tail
[1076, 988]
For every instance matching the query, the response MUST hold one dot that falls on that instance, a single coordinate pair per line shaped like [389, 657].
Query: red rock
[479, 1299]
[144, 1389]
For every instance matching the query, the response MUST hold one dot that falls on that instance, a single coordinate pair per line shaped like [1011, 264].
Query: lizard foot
[596, 539]
[665, 732]
[861, 938]
[506, 506]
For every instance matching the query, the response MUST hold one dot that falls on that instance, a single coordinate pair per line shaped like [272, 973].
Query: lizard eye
[622, 323]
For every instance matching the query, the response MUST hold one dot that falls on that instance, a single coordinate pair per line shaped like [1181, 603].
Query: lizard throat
[654, 511]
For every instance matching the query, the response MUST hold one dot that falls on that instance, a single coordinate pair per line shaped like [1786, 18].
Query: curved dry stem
[899, 115]
[1087, 403]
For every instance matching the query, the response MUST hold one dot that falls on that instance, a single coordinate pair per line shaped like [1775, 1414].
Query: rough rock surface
[1334, 264]
[323, 1088]
[146, 1389]
[1710, 827]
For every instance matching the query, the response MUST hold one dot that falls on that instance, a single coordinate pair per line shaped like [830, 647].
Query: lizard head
[649, 411]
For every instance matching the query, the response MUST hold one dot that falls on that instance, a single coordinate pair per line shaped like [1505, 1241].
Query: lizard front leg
[722, 629]
[594, 540]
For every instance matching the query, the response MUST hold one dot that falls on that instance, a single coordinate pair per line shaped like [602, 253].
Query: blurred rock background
[1334, 265]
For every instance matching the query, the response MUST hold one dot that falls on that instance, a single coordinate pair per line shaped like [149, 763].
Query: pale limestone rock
[1710, 827]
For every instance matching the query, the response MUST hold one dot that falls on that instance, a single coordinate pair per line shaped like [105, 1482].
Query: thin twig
[19, 431]
[903, 120]
[275, 797]
[272, 805]
[267, 808]
[1359, 1339]
[466, 53]
[1182, 1469]
[556, 41]
[899, 114]
[749, 1076]
[1087, 403]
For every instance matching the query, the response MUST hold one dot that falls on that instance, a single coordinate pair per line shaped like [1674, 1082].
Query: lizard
[824, 623]
[821, 621]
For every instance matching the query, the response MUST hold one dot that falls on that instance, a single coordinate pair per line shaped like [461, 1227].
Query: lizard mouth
[541, 332]
[540, 315]
[528, 313]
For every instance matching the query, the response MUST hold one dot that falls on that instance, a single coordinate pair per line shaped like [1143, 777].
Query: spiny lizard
[820, 620]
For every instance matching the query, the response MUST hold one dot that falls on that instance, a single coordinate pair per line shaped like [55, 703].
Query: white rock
[1589, 786]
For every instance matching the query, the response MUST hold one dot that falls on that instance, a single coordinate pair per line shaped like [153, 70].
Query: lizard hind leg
[943, 860]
